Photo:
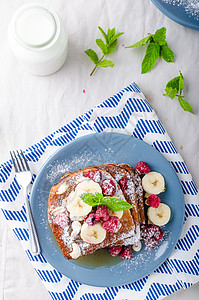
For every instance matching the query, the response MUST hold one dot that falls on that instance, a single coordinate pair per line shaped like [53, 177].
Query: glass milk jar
[38, 39]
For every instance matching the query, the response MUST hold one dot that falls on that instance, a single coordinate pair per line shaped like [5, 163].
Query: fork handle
[34, 241]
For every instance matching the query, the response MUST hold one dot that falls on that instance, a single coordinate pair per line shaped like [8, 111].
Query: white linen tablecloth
[32, 107]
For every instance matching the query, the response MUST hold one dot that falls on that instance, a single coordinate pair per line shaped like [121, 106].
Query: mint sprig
[106, 47]
[174, 89]
[156, 48]
[114, 204]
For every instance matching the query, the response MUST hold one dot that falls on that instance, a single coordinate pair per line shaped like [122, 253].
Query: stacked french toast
[100, 206]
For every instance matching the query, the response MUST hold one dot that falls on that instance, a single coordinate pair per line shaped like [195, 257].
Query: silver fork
[24, 176]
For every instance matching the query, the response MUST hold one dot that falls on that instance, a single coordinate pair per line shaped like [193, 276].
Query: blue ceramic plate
[182, 12]
[101, 269]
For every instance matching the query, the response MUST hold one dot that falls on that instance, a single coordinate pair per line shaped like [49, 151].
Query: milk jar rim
[39, 47]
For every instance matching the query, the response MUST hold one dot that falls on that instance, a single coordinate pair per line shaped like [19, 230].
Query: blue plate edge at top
[168, 12]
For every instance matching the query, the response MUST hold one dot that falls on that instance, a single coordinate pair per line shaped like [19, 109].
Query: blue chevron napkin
[126, 112]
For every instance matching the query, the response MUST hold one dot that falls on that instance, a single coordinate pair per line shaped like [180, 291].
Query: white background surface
[32, 107]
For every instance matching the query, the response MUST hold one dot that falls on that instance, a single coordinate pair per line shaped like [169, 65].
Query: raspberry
[142, 167]
[158, 233]
[151, 234]
[153, 201]
[61, 220]
[151, 243]
[94, 175]
[126, 253]
[90, 219]
[112, 225]
[108, 187]
[147, 231]
[123, 184]
[115, 250]
[102, 213]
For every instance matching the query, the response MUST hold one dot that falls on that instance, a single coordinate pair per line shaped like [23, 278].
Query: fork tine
[21, 161]
[13, 161]
[26, 163]
[18, 164]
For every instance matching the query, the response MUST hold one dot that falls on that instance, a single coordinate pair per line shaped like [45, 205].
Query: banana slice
[58, 210]
[77, 207]
[76, 251]
[118, 214]
[137, 246]
[88, 186]
[76, 227]
[160, 215]
[93, 234]
[62, 189]
[153, 183]
[75, 204]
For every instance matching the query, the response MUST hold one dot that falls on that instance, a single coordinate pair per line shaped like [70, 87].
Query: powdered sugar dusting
[191, 6]
[81, 159]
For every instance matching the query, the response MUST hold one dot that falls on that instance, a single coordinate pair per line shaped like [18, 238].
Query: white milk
[38, 39]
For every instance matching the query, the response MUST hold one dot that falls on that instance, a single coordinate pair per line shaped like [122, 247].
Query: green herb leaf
[157, 47]
[104, 34]
[112, 47]
[102, 46]
[143, 42]
[166, 53]
[107, 48]
[185, 105]
[174, 86]
[114, 204]
[152, 54]
[115, 37]
[110, 34]
[105, 63]
[160, 36]
[92, 199]
[174, 83]
[181, 83]
[171, 92]
[92, 55]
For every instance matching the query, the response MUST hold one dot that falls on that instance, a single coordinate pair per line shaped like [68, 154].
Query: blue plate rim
[51, 157]
[173, 17]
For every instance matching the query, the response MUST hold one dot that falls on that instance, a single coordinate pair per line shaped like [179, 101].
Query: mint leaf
[171, 92]
[112, 47]
[115, 37]
[104, 34]
[174, 83]
[174, 86]
[159, 48]
[92, 199]
[105, 63]
[143, 42]
[92, 55]
[110, 34]
[185, 105]
[160, 36]
[106, 47]
[152, 54]
[113, 42]
[116, 204]
[102, 46]
[181, 83]
[166, 53]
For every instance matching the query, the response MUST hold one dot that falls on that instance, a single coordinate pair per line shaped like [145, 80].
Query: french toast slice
[59, 202]
[138, 189]
[126, 182]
